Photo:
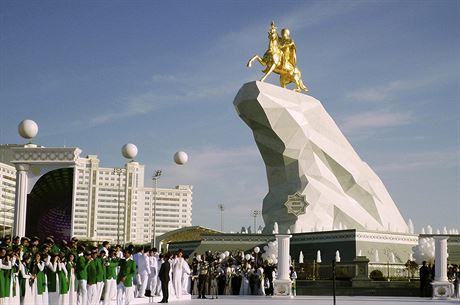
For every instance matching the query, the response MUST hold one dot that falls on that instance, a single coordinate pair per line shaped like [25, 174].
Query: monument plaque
[296, 204]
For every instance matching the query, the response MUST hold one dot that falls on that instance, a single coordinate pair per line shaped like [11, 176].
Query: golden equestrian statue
[281, 59]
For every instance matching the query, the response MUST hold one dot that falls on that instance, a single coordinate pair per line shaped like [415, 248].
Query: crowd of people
[427, 274]
[44, 272]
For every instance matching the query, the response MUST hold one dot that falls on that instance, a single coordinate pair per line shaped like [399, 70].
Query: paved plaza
[314, 300]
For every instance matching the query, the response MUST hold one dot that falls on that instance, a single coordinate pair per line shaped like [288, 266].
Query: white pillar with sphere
[20, 203]
[38, 157]
[27, 129]
[442, 288]
[282, 284]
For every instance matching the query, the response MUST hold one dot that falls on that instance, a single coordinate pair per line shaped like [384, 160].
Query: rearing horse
[273, 62]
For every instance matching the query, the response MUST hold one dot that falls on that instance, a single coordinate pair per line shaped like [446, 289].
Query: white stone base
[442, 290]
[282, 288]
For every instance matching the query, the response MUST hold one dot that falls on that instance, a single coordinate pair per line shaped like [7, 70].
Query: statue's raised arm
[281, 59]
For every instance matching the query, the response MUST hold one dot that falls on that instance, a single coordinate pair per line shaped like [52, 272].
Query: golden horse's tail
[302, 85]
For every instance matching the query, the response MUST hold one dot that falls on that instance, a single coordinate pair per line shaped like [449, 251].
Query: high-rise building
[106, 203]
[7, 191]
[114, 204]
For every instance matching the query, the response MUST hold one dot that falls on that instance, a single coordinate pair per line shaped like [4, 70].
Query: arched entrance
[49, 205]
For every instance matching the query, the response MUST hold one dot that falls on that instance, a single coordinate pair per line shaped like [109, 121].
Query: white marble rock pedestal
[316, 180]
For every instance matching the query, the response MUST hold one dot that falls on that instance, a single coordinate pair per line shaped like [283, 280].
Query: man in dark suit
[164, 278]
[424, 280]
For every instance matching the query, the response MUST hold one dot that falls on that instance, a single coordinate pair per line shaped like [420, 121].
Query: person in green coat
[5, 277]
[110, 285]
[100, 276]
[63, 280]
[70, 266]
[128, 269]
[52, 279]
[82, 276]
[37, 270]
[92, 270]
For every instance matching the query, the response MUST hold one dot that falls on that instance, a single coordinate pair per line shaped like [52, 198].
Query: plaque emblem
[296, 204]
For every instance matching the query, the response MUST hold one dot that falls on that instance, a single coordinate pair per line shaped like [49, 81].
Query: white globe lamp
[129, 151]
[28, 129]
[256, 250]
[180, 158]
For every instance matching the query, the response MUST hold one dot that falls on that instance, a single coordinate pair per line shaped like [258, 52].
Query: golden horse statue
[280, 58]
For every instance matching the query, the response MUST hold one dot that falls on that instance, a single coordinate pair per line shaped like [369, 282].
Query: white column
[440, 250]
[283, 256]
[20, 203]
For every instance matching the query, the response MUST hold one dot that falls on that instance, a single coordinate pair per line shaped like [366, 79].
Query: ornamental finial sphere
[129, 151]
[28, 129]
[180, 158]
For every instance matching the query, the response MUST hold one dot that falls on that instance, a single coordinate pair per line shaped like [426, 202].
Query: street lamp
[155, 178]
[221, 208]
[118, 171]
[256, 213]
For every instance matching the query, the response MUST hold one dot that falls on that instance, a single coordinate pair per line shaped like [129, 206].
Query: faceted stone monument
[316, 179]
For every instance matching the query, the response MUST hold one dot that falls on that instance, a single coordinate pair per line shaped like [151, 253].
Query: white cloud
[390, 90]
[201, 84]
[233, 177]
[420, 160]
[365, 121]
[130, 106]
[164, 78]
[210, 163]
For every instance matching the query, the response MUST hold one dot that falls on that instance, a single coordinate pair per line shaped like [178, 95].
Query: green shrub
[376, 275]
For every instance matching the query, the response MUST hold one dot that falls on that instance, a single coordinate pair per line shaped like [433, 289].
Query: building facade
[7, 193]
[106, 203]
[113, 204]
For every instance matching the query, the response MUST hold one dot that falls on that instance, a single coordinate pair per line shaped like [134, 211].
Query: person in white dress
[172, 292]
[143, 272]
[153, 276]
[5, 264]
[260, 281]
[25, 277]
[52, 266]
[15, 294]
[63, 274]
[186, 279]
[70, 265]
[178, 266]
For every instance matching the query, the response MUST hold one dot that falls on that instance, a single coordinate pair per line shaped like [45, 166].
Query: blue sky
[163, 75]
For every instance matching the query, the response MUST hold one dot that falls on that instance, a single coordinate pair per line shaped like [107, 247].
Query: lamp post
[118, 171]
[155, 178]
[221, 208]
[255, 213]
[333, 280]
